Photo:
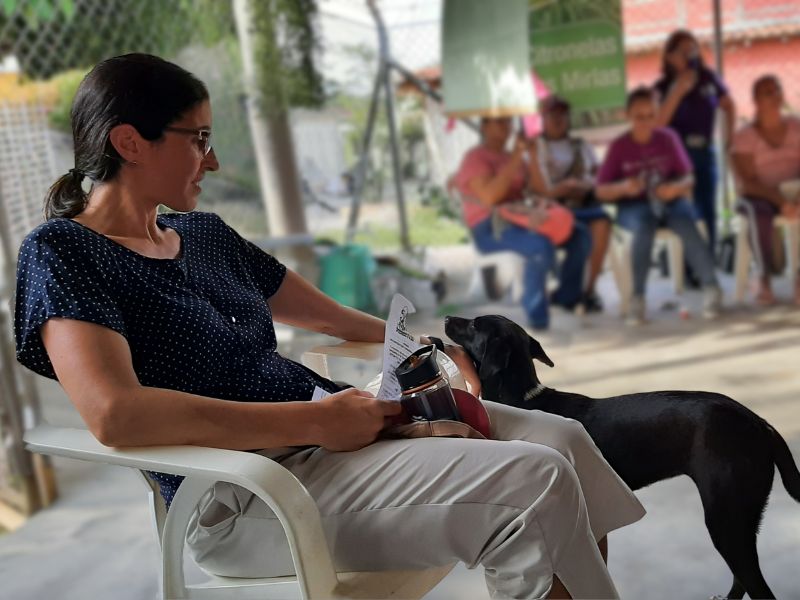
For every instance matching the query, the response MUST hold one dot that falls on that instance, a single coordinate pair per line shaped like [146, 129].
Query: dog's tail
[786, 465]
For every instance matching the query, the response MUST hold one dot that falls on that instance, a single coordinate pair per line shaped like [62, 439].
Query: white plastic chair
[315, 576]
[744, 252]
[621, 257]
[510, 264]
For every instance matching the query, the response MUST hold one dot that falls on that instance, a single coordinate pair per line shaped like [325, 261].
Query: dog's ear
[495, 358]
[537, 352]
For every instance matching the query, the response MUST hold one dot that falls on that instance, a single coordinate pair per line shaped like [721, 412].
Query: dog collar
[533, 392]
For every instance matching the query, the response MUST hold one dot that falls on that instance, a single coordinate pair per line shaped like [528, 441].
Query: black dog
[729, 452]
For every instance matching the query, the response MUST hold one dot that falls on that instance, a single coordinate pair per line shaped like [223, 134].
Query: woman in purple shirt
[647, 173]
[690, 93]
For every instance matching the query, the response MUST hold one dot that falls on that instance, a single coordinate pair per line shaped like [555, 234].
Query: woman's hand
[685, 82]
[790, 210]
[632, 187]
[466, 366]
[667, 192]
[521, 145]
[352, 419]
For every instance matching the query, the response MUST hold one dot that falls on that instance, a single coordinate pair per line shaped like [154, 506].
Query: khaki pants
[530, 504]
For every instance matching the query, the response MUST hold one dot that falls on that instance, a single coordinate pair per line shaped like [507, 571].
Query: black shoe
[592, 302]
[565, 307]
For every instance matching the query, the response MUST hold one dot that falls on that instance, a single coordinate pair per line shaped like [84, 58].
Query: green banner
[578, 53]
[485, 58]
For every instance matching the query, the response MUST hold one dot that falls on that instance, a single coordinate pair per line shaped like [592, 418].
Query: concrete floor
[95, 542]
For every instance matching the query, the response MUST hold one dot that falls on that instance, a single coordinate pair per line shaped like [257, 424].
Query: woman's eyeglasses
[203, 137]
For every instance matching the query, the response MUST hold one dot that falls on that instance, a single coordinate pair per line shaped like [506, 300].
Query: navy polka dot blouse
[199, 323]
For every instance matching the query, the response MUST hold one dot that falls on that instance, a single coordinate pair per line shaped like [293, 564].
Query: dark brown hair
[769, 77]
[642, 92]
[673, 41]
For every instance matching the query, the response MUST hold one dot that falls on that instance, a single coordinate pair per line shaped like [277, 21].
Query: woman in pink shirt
[490, 175]
[766, 153]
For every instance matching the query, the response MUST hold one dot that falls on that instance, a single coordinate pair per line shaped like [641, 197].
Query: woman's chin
[187, 204]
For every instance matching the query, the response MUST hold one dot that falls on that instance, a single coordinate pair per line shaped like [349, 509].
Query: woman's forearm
[300, 304]
[757, 189]
[496, 189]
[146, 416]
[356, 326]
[683, 186]
[667, 109]
[611, 192]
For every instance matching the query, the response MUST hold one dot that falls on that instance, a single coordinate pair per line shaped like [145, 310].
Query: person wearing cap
[491, 175]
[563, 167]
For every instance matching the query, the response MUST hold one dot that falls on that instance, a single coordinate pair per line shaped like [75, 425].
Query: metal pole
[719, 63]
[423, 87]
[359, 173]
[384, 54]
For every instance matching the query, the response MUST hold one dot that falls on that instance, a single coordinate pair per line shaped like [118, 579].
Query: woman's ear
[127, 142]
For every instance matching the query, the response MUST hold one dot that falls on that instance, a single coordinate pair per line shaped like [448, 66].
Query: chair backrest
[27, 169]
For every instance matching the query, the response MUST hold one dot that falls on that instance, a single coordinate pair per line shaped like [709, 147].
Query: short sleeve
[610, 170]
[59, 274]
[266, 271]
[472, 165]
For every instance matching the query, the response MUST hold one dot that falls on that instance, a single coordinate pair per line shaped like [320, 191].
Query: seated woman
[648, 174]
[160, 329]
[563, 168]
[766, 153]
[490, 175]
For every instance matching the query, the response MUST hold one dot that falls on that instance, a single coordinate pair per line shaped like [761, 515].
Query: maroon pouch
[474, 422]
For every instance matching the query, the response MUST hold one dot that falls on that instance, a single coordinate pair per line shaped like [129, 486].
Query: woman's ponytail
[66, 197]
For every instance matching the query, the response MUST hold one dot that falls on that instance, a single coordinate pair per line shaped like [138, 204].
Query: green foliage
[426, 228]
[67, 84]
[83, 38]
[435, 198]
[285, 47]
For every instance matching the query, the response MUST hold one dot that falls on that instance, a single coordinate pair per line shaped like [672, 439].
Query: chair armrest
[177, 460]
[272, 483]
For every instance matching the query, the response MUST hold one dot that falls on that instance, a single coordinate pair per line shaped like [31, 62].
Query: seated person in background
[766, 153]
[648, 173]
[490, 175]
[563, 168]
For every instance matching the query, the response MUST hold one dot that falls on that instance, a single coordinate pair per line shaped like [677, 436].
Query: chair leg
[741, 262]
[621, 252]
[517, 281]
[791, 236]
[675, 249]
